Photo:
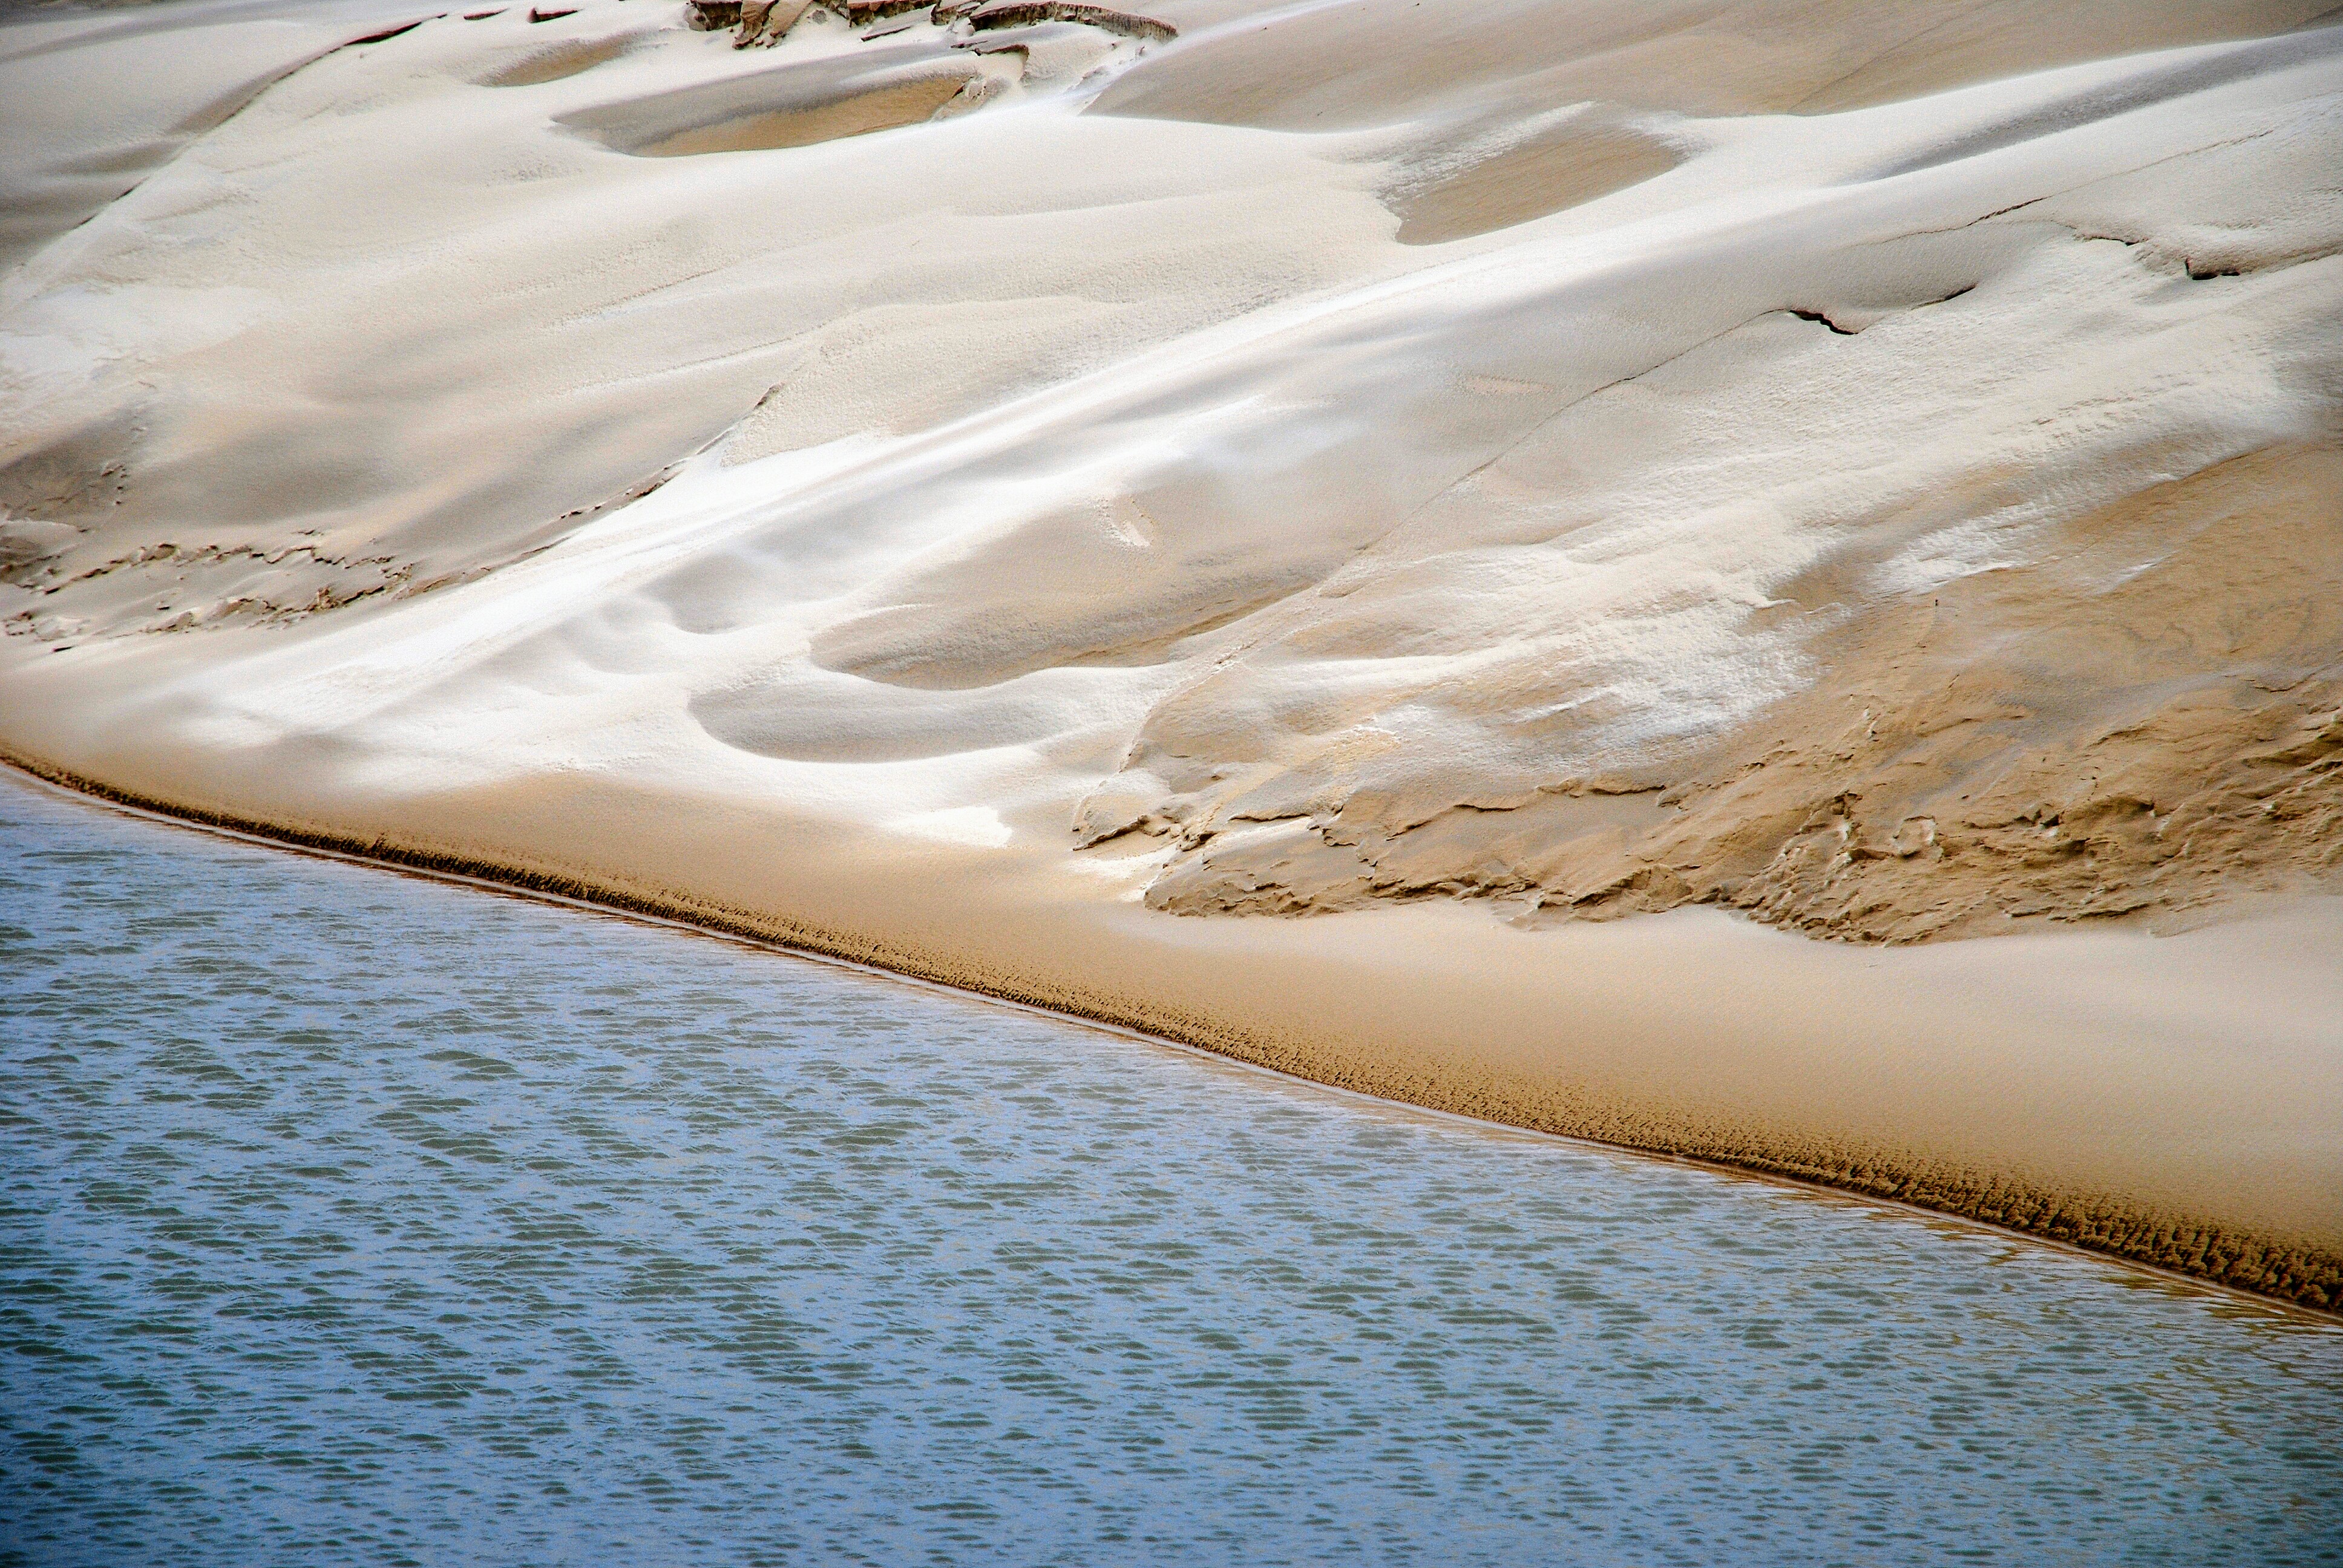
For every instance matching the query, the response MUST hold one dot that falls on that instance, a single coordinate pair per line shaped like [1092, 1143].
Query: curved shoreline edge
[2271, 1270]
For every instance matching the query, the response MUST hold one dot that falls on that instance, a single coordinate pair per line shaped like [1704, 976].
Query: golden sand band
[2013, 1083]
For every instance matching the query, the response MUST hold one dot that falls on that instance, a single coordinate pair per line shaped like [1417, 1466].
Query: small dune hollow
[794, 107]
[1532, 179]
[560, 62]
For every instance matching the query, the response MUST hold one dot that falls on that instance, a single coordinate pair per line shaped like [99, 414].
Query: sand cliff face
[1873, 470]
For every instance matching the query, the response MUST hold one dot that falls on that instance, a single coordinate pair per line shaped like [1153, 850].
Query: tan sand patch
[560, 62]
[1542, 175]
[792, 106]
[1378, 62]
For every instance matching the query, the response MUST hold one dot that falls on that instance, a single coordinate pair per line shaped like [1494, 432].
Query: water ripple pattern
[348, 1218]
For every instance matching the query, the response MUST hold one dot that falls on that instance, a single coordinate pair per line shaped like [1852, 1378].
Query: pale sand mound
[1465, 471]
[100, 99]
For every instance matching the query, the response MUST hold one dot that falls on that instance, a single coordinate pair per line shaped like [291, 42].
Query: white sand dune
[1033, 502]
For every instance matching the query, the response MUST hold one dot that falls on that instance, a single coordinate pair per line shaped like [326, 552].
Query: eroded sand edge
[2277, 1261]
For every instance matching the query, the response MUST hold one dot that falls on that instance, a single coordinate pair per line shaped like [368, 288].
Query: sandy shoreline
[2299, 1263]
[1760, 585]
[489, 880]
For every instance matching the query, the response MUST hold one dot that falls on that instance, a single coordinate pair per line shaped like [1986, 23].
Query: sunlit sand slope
[1034, 494]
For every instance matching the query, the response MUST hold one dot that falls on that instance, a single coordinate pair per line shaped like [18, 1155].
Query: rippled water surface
[351, 1217]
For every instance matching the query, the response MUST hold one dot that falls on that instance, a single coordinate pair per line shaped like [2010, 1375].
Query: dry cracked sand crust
[1116, 478]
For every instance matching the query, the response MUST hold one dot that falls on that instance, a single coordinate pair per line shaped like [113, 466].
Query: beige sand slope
[1039, 503]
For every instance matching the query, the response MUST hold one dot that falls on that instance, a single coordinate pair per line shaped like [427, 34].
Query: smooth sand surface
[1765, 576]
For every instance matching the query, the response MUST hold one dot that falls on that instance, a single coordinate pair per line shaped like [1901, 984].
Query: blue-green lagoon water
[351, 1217]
